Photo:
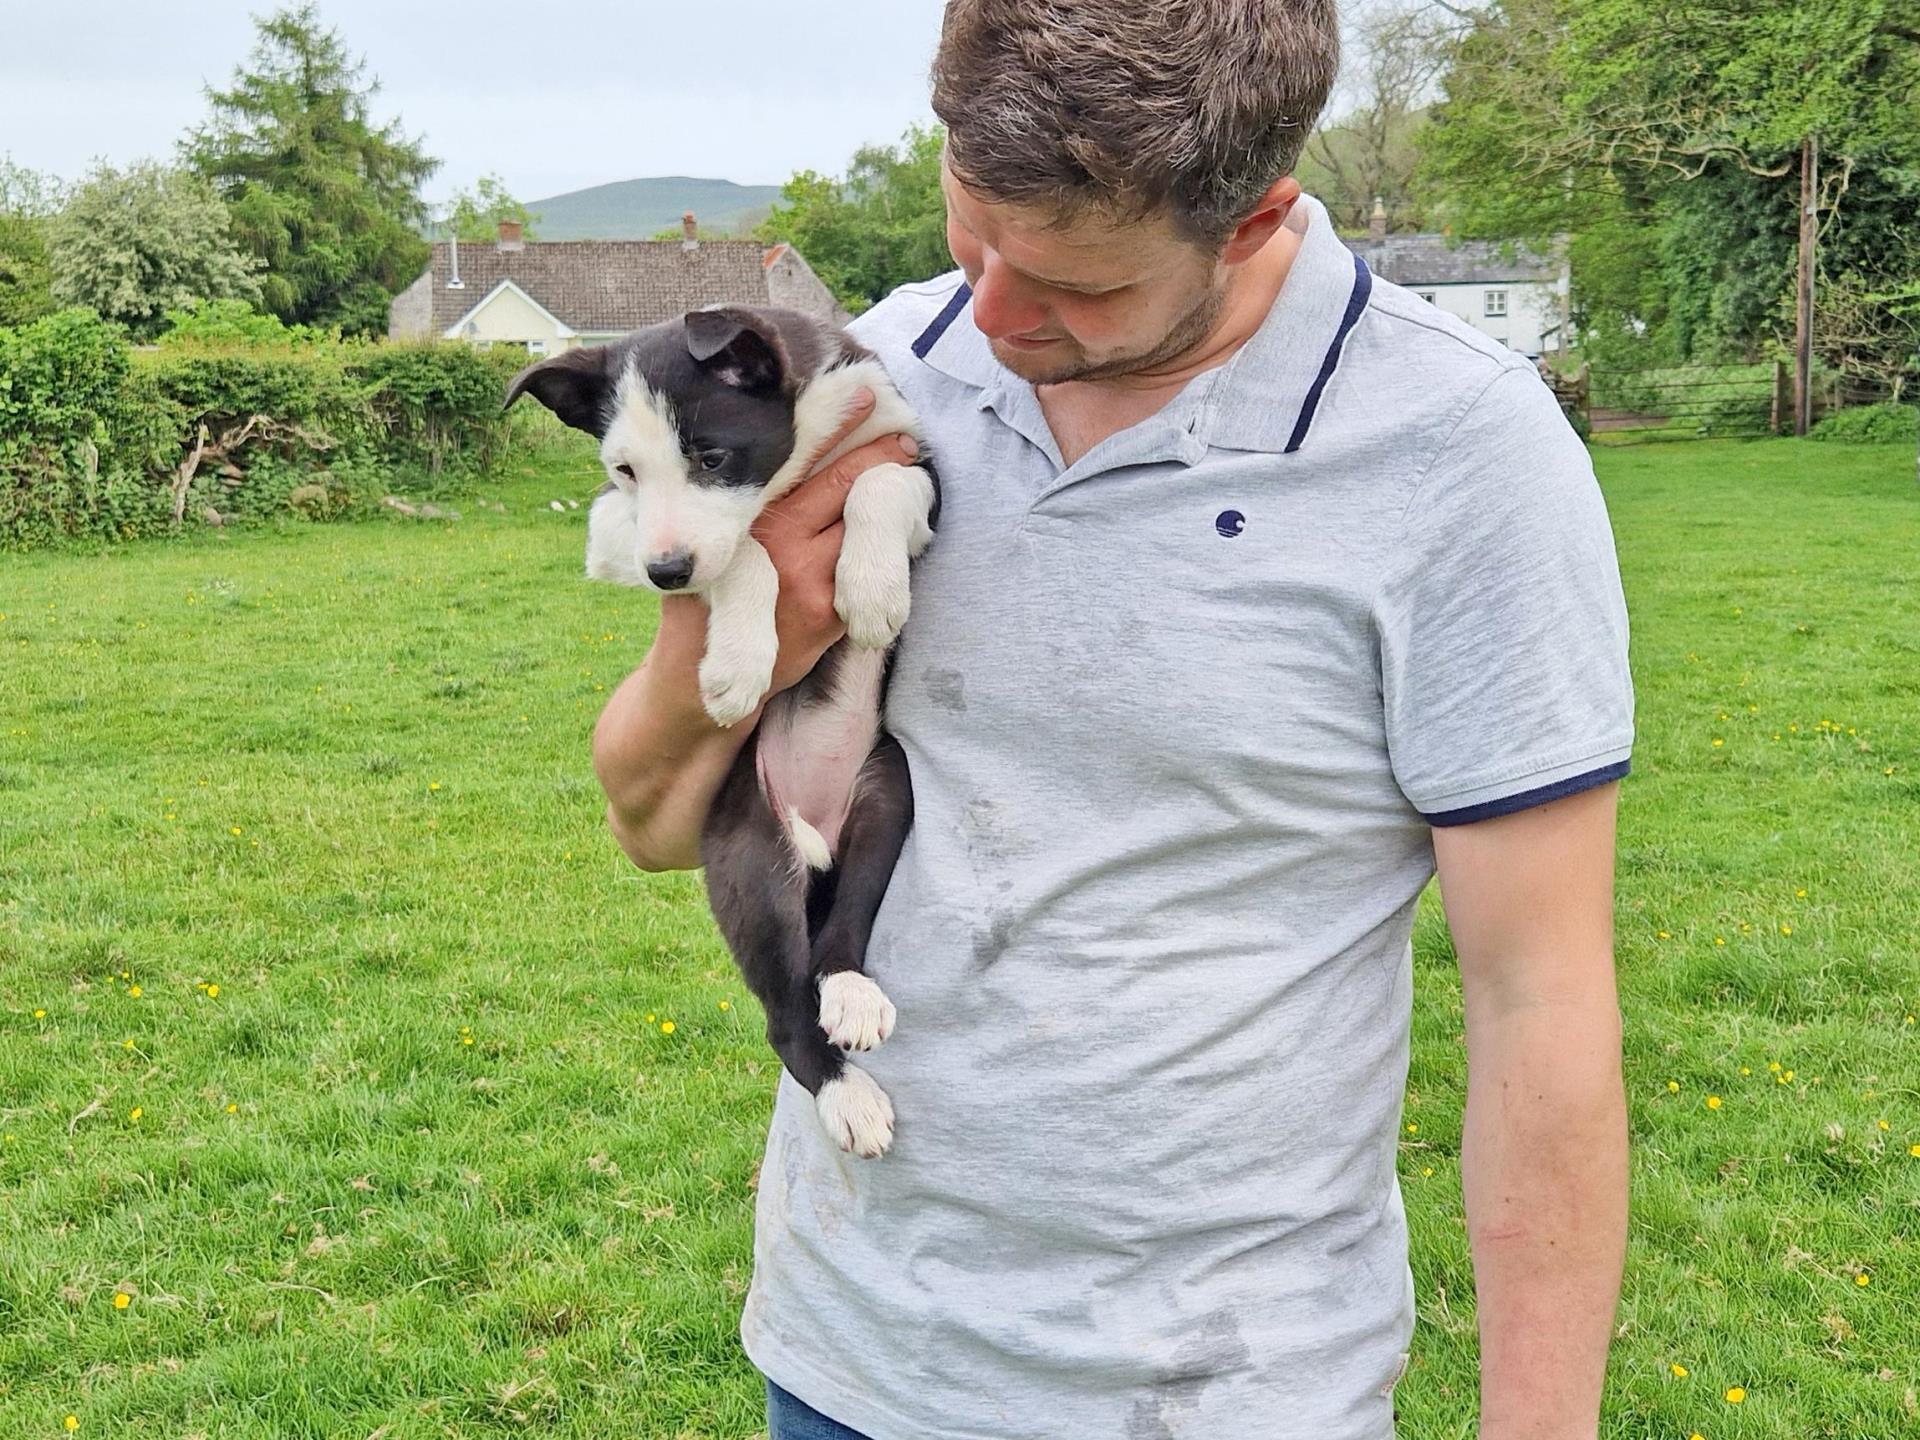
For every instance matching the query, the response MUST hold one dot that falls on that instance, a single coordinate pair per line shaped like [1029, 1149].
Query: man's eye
[714, 459]
[626, 470]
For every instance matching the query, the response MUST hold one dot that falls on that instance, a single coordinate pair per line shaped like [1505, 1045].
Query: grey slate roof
[604, 285]
[1429, 260]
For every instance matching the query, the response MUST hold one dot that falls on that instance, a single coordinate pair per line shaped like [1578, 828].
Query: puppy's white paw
[871, 597]
[730, 691]
[854, 1011]
[856, 1112]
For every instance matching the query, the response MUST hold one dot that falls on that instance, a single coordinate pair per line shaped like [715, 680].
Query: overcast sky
[551, 97]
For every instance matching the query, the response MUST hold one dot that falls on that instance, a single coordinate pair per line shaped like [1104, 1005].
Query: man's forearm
[1544, 1169]
[659, 756]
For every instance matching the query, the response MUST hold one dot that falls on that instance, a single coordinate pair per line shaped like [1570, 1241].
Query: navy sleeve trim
[1356, 302]
[1527, 799]
[931, 335]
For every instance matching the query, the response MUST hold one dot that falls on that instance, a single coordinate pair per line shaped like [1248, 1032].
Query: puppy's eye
[714, 459]
[626, 470]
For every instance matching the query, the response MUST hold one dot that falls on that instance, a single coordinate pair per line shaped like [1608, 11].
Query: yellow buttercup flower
[1713, 1102]
[1863, 1278]
[212, 990]
[1679, 1371]
[666, 1027]
[122, 1300]
[134, 992]
[1673, 1087]
[135, 1113]
[1736, 1395]
[72, 1422]
[231, 1108]
[39, 1014]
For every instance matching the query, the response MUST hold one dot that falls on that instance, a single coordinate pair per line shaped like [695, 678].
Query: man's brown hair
[1131, 107]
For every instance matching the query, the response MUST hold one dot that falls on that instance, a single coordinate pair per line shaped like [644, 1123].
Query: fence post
[1779, 394]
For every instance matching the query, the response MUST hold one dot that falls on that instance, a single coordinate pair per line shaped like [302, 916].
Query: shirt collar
[1264, 397]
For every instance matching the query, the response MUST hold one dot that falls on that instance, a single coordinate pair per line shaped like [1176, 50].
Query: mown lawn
[339, 1039]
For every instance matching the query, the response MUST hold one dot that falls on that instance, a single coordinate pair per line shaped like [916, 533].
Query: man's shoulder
[891, 327]
[1431, 371]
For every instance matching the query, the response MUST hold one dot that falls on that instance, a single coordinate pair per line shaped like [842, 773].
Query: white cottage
[1521, 302]
[551, 295]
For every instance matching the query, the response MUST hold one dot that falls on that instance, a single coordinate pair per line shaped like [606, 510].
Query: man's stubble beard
[1187, 332]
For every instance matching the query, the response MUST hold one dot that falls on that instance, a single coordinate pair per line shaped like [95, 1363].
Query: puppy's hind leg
[853, 1009]
[758, 889]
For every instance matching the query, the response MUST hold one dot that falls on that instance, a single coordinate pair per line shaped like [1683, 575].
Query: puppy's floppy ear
[739, 347]
[576, 385]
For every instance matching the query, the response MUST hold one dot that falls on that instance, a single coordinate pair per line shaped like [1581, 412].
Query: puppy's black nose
[671, 571]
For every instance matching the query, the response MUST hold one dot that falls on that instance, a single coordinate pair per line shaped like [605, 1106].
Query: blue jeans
[790, 1418]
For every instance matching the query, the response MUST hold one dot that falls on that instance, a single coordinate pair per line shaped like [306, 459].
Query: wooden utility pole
[1803, 311]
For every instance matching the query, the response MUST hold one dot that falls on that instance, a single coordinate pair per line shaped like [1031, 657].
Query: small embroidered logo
[1230, 523]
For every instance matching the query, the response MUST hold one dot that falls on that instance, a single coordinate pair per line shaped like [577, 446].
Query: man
[1262, 590]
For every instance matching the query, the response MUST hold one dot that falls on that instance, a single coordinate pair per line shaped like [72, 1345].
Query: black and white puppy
[702, 422]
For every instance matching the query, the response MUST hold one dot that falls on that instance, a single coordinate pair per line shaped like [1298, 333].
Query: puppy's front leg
[737, 669]
[887, 514]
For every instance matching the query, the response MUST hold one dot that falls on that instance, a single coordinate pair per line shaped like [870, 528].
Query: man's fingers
[815, 503]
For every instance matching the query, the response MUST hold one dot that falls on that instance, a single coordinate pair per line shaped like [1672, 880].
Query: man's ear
[738, 347]
[576, 385]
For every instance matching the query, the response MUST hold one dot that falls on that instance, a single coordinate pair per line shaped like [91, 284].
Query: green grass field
[352, 1083]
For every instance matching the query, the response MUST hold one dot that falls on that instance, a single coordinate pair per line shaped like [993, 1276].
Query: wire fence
[1701, 401]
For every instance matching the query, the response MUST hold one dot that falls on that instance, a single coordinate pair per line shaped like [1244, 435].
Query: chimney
[510, 231]
[1377, 227]
[689, 232]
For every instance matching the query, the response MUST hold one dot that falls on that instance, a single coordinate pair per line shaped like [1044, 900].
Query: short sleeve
[1500, 620]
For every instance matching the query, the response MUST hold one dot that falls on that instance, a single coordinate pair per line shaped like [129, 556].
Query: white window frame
[1428, 296]
[1496, 304]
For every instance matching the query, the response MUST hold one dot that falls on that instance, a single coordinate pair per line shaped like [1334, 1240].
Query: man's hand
[658, 754]
[1529, 899]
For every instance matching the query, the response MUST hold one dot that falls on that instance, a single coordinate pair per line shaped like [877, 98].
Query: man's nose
[672, 570]
[999, 308]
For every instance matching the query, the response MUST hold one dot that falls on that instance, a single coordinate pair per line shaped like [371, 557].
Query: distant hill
[640, 209]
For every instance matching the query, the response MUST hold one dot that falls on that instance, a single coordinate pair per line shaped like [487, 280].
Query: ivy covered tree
[476, 214]
[133, 244]
[883, 225]
[1670, 142]
[328, 200]
[28, 200]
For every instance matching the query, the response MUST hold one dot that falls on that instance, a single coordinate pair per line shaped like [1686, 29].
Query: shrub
[235, 322]
[100, 443]
[1886, 424]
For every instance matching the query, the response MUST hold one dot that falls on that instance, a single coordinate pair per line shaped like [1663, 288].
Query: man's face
[1084, 302]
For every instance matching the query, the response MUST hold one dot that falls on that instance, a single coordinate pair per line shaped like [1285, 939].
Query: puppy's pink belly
[810, 756]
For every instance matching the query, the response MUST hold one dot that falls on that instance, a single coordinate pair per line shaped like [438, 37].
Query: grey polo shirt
[1180, 718]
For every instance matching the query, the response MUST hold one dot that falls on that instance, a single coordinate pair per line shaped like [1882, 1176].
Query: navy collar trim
[1356, 302]
[931, 335]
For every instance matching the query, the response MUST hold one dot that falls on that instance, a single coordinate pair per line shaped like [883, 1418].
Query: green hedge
[98, 441]
[1885, 424]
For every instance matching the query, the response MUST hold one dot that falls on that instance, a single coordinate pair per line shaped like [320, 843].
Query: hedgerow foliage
[102, 442]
